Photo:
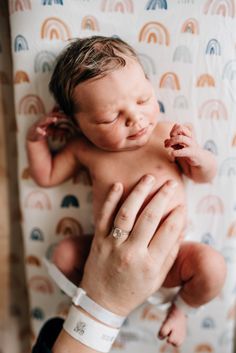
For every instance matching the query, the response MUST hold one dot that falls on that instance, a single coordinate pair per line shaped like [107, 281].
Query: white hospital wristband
[107, 317]
[88, 331]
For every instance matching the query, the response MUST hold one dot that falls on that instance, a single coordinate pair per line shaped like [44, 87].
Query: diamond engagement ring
[118, 233]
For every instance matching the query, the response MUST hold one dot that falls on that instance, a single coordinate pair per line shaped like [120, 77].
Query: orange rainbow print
[90, 23]
[150, 313]
[31, 104]
[203, 348]
[205, 80]
[154, 32]
[232, 230]
[190, 26]
[41, 284]
[210, 204]
[20, 77]
[33, 260]
[166, 348]
[55, 28]
[234, 141]
[117, 6]
[4, 80]
[220, 7]
[232, 313]
[69, 226]
[170, 80]
[213, 109]
[38, 200]
[19, 5]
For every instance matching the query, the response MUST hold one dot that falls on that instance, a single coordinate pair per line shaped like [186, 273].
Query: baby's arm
[47, 169]
[196, 163]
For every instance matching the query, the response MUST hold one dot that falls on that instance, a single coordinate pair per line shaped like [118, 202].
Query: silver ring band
[118, 233]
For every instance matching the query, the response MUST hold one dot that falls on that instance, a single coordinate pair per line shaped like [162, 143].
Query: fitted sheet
[188, 50]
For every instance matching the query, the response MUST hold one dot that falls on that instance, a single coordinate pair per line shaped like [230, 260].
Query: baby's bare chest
[128, 168]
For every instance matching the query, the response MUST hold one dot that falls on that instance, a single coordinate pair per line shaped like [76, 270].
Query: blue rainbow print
[153, 4]
[180, 102]
[208, 323]
[210, 145]
[70, 200]
[50, 2]
[229, 254]
[182, 53]
[229, 71]
[161, 107]
[220, 7]
[122, 6]
[36, 234]
[44, 61]
[20, 43]
[37, 313]
[229, 75]
[213, 47]
[148, 64]
[207, 238]
[228, 167]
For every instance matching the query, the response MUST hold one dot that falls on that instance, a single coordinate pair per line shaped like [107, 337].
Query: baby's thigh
[194, 260]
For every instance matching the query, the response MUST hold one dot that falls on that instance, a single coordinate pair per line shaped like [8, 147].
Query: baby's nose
[133, 118]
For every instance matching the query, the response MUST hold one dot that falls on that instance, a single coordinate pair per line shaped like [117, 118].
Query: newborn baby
[100, 85]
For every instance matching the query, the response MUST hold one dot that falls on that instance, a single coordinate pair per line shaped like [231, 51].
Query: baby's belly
[101, 189]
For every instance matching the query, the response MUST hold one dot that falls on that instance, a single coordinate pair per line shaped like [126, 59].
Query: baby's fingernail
[172, 184]
[148, 178]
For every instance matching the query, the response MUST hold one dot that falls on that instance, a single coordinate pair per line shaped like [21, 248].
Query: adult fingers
[127, 213]
[167, 234]
[105, 217]
[150, 217]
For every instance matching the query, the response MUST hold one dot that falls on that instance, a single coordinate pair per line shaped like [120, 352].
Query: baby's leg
[70, 256]
[200, 271]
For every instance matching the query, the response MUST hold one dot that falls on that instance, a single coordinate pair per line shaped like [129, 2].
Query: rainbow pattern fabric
[188, 49]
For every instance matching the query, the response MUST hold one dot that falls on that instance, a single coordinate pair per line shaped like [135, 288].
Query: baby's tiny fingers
[178, 140]
[41, 131]
[181, 130]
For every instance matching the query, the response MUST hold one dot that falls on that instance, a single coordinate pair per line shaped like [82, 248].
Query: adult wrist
[102, 314]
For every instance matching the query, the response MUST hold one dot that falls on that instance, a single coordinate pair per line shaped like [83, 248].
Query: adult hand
[121, 273]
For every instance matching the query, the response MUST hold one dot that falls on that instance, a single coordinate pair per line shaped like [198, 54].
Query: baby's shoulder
[164, 127]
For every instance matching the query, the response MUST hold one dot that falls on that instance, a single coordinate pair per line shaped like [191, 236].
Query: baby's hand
[44, 127]
[183, 144]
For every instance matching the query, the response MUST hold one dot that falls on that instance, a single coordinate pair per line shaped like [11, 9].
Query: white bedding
[188, 49]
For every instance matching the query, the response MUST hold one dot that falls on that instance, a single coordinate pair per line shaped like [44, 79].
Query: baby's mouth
[138, 134]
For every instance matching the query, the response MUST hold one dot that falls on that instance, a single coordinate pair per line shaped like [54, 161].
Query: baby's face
[118, 111]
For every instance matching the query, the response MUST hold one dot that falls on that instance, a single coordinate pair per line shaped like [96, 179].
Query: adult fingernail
[148, 178]
[116, 187]
[172, 184]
